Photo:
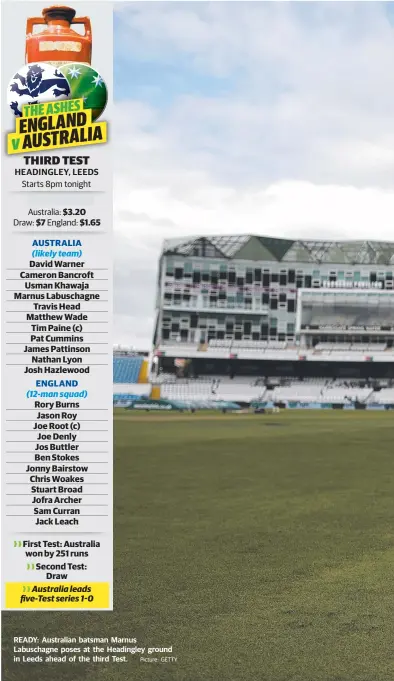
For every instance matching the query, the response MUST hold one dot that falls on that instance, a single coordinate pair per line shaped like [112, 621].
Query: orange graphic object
[58, 43]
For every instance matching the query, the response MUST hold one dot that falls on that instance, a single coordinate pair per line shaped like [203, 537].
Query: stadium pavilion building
[258, 305]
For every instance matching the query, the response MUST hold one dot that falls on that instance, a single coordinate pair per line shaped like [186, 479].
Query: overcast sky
[247, 117]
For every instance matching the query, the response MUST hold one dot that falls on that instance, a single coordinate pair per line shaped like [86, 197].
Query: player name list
[57, 349]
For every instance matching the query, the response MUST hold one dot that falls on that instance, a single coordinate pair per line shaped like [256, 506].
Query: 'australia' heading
[57, 242]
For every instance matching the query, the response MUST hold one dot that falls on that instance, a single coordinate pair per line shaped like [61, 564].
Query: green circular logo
[86, 83]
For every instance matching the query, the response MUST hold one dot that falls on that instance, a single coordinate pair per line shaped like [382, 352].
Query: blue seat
[127, 369]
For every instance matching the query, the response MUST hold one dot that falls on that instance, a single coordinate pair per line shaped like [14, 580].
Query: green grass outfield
[260, 547]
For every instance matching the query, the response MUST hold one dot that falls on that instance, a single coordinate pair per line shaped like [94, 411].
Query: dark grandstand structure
[265, 307]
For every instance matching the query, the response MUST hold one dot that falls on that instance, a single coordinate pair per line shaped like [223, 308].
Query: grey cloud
[129, 216]
[134, 290]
